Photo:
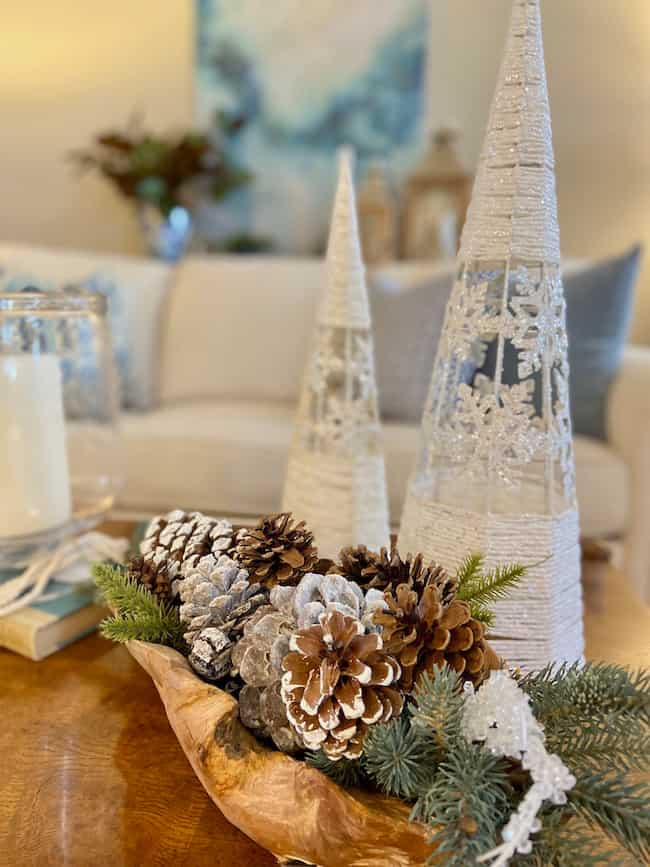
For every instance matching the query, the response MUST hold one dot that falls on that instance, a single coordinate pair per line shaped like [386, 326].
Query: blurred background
[77, 67]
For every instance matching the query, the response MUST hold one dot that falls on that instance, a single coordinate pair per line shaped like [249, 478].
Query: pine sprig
[399, 758]
[619, 807]
[438, 707]
[481, 588]
[563, 843]
[467, 804]
[588, 696]
[591, 748]
[138, 615]
[345, 772]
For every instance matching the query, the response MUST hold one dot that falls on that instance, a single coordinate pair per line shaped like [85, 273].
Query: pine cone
[217, 597]
[154, 578]
[337, 683]
[385, 571]
[318, 593]
[257, 658]
[277, 551]
[180, 539]
[422, 632]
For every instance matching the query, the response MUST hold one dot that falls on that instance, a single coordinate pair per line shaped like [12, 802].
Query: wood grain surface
[92, 774]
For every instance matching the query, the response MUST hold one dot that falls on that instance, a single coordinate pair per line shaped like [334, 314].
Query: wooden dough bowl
[287, 807]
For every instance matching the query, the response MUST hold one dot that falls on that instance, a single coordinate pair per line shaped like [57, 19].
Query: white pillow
[239, 327]
[140, 286]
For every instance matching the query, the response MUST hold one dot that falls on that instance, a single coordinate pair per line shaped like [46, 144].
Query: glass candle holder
[60, 466]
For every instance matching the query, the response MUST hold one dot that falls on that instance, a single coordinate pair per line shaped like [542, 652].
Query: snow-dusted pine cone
[278, 550]
[257, 657]
[338, 681]
[217, 597]
[318, 593]
[386, 571]
[178, 541]
[421, 633]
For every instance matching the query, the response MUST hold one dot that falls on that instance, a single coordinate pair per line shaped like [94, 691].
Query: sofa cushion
[229, 457]
[239, 327]
[137, 288]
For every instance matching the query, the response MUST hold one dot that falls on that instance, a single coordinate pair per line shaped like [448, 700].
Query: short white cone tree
[496, 469]
[336, 478]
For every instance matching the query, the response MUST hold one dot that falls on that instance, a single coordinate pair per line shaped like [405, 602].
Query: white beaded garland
[499, 716]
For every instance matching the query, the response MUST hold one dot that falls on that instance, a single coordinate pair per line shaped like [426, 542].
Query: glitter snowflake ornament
[496, 469]
[336, 476]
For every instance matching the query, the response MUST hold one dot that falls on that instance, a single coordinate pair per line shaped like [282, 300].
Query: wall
[72, 67]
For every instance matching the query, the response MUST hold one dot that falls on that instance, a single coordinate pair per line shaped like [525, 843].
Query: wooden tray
[287, 807]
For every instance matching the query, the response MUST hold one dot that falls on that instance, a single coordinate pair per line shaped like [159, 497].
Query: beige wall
[71, 67]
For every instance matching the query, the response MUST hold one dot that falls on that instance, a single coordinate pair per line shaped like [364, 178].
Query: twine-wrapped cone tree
[496, 469]
[336, 476]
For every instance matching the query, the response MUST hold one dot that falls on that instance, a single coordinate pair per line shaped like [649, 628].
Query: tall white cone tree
[496, 469]
[336, 478]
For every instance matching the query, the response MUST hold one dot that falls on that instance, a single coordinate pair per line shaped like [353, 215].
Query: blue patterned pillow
[599, 302]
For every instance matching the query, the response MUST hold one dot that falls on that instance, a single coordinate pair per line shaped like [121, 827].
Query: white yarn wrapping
[336, 477]
[513, 212]
[342, 498]
[542, 619]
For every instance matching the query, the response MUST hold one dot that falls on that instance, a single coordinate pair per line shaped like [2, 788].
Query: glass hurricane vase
[60, 466]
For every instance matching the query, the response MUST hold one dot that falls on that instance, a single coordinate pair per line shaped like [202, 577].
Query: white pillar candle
[34, 476]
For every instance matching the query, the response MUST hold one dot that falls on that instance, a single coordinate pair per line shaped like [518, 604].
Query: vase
[166, 237]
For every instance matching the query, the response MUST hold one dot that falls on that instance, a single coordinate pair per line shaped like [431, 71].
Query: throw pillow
[407, 322]
[599, 303]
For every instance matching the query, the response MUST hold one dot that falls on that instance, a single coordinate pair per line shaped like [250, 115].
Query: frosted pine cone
[421, 632]
[278, 550]
[318, 593]
[217, 597]
[337, 682]
[386, 571]
[257, 657]
[180, 539]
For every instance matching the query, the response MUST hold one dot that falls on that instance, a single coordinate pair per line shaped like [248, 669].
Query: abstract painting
[309, 76]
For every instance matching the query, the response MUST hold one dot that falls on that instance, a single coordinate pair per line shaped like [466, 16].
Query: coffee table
[93, 775]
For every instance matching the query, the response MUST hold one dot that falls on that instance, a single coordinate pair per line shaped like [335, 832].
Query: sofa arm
[628, 425]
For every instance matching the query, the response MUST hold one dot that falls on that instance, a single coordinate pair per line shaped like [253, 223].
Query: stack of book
[67, 612]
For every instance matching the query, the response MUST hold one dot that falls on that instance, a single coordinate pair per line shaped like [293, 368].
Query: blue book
[44, 627]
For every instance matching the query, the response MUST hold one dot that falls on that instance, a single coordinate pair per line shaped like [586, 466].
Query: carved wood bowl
[284, 805]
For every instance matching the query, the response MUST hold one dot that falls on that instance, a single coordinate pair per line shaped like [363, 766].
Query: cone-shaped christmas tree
[336, 478]
[496, 470]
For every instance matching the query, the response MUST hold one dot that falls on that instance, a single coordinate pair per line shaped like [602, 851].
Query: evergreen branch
[481, 613]
[487, 588]
[138, 615]
[345, 772]
[620, 808]
[590, 695]
[566, 844]
[622, 749]
[400, 758]
[467, 804]
[438, 707]
[469, 571]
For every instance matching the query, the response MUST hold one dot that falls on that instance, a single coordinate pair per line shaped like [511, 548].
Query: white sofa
[219, 348]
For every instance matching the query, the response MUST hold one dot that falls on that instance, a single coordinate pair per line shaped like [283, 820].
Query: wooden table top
[93, 775]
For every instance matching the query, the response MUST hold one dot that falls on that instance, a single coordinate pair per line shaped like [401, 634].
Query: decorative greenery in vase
[167, 173]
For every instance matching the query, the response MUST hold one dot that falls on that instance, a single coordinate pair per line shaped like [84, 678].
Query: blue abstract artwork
[309, 76]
